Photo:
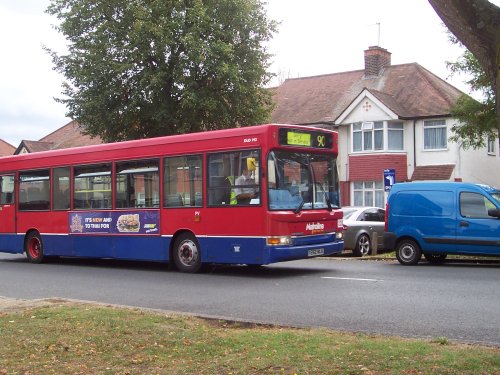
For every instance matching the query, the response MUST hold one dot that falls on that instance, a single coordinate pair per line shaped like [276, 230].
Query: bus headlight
[339, 235]
[279, 241]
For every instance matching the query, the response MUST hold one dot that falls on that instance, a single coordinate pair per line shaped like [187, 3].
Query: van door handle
[464, 224]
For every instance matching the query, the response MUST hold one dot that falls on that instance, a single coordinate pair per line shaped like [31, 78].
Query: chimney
[376, 59]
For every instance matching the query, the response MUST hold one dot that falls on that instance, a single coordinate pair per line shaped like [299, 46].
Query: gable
[366, 107]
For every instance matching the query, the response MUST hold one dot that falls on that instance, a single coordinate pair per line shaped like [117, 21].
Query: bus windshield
[301, 181]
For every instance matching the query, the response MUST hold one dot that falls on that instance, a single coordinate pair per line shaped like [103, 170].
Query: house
[388, 117]
[69, 135]
[6, 148]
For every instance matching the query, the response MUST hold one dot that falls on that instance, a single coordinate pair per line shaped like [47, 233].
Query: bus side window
[60, 193]
[231, 174]
[182, 185]
[92, 186]
[137, 184]
[6, 189]
[36, 184]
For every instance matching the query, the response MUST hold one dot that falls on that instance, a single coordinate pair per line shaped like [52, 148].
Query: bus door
[7, 205]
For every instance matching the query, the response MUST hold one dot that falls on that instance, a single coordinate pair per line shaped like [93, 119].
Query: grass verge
[81, 339]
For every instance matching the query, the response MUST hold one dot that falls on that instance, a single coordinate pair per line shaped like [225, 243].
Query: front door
[7, 204]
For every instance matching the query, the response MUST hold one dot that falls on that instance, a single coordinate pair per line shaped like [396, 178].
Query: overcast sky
[314, 37]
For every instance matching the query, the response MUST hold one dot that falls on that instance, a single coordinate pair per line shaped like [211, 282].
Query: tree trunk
[476, 23]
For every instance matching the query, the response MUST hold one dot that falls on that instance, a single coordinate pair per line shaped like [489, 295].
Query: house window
[491, 145]
[395, 136]
[368, 193]
[377, 136]
[435, 135]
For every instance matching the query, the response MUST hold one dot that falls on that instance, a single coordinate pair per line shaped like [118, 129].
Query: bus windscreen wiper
[299, 207]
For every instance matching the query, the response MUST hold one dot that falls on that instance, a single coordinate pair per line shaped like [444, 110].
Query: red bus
[253, 195]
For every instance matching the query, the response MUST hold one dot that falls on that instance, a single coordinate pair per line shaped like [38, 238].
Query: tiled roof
[6, 148]
[35, 146]
[409, 90]
[70, 135]
[433, 172]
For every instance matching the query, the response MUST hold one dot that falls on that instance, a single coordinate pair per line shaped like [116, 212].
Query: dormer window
[377, 136]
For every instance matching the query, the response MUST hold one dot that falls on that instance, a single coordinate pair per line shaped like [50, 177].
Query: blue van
[440, 218]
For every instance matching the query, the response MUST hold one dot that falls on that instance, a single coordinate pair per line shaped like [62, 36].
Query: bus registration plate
[315, 252]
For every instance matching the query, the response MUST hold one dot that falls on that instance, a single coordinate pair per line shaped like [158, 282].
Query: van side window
[474, 206]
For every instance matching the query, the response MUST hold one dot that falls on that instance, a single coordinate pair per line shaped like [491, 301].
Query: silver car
[363, 226]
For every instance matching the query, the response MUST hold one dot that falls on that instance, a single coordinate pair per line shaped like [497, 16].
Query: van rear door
[477, 232]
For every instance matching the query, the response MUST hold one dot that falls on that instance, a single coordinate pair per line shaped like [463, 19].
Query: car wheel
[435, 258]
[34, 248]
[363, 246]
[187, 253]
[408, 252]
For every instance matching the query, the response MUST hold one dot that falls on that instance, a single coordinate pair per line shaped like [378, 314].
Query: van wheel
[33, 247]
[408, 252]
[435, 258]
[362, 246]
[187, 253]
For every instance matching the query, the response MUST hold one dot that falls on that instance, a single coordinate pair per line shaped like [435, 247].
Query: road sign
[389, 178]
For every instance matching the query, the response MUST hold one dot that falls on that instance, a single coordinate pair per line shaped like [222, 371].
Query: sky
[314, 37]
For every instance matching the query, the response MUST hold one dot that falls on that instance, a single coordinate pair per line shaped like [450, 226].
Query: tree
[477, 120]
[144, 68]
[476, 23]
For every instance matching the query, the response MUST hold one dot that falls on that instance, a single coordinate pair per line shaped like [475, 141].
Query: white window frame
[369, 133]
[490, 144]
[431, 125]
[364, 189]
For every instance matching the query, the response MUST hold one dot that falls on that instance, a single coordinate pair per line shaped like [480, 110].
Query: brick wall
[371, 167]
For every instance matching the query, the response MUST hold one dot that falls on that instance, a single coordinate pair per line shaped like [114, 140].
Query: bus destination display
[292, 137]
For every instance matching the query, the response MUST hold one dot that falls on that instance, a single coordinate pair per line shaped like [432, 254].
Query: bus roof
[155, 146]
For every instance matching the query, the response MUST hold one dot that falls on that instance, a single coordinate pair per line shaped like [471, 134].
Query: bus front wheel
[187, 253]
[34, 247]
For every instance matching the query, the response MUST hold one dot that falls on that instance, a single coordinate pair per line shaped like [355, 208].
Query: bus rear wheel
[34, 248]
[187, 253]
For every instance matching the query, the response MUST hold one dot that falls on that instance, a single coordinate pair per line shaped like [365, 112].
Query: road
[459, 301]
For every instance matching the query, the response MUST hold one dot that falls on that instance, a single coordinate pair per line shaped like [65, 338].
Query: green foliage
[477, 120]
[145, 68]
[86, 339]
